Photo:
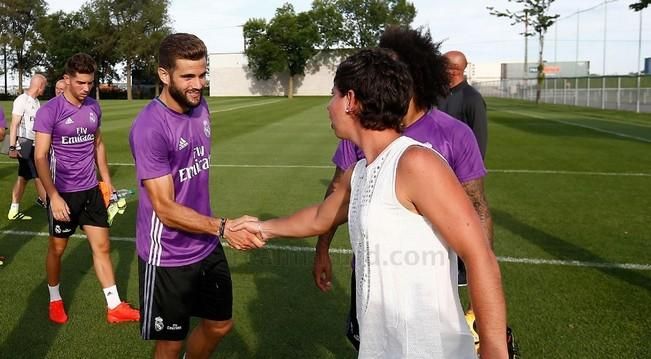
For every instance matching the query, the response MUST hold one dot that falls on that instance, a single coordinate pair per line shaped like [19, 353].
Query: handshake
[245, 233]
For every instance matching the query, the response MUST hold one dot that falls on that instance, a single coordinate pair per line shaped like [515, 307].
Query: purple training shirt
[164, 142]
[3, 123]
[72, 153]
[453, 139]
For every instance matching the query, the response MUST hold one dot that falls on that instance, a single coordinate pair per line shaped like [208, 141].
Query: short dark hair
[180, 46]
[80, 63]
[382, 86]
[427, 66]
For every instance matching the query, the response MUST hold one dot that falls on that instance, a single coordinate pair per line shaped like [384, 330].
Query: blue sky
[463, 25]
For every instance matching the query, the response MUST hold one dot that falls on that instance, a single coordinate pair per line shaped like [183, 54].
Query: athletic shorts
[86, 208]
[169, 296]
[27, 167]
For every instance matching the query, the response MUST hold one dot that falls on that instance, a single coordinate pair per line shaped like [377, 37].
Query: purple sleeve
[467, 163]
[346, 155]
[44, 120]
[98, 110]
[3, 123]
[149, 149]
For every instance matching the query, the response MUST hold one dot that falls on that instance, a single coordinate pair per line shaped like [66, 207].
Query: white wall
[230, 76]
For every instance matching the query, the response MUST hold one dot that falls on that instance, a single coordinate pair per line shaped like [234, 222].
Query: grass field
[569, 189]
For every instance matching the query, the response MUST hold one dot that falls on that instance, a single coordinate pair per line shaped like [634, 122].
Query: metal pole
[603, 79]
[526, 53]
[639, 57]
[556, 43]
[587, 101]
[619, 92]
[576, 80]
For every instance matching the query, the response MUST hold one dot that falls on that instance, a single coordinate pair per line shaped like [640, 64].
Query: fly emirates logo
[81, 137]
[201, 163]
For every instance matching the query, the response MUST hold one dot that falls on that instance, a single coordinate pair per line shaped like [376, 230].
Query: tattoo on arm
[475, 191]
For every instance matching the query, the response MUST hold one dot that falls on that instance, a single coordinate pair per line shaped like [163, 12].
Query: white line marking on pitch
[535, 261]
[555, 172]
[618, 134]
[246, 106]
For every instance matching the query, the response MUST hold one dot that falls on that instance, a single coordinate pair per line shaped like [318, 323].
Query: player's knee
[56, 248]
[220, 328]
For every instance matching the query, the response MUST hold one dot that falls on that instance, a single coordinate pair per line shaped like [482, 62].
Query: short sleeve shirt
[451, 138]
[164, 142]
[72, 152]
[26, 107]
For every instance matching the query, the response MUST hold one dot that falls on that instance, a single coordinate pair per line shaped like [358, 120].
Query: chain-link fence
[606, 92]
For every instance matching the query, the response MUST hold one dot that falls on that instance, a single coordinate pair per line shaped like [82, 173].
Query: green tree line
[113, 32]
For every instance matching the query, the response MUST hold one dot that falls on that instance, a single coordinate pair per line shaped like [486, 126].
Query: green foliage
[359, 23]
[18, 29]
[285, 44]
[640, 5]
[139, 26]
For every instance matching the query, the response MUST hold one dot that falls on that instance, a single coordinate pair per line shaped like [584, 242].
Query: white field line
[531, 261]
[541, 117]
[246, 106]
[525, 171]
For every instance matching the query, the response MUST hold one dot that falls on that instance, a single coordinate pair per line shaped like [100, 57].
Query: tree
[19, 23]
[534, 14]
[640, 5]
[140, 25]
[285, 44]
[359, 23]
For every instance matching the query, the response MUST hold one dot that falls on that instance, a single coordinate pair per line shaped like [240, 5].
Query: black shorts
[27, 167]
[86, 208]
[169, 296]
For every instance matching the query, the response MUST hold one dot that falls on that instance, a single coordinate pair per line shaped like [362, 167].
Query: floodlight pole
[525, 75]
[639, 57]
[603, 79]
[576, 63]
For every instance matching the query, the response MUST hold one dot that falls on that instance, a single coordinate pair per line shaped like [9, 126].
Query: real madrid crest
[158, 324]
[206, 128]
[92, 117]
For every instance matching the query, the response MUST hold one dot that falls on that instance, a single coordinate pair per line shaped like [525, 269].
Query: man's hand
[322, 269]
[13, 153]
[243, 233]
[59, 208]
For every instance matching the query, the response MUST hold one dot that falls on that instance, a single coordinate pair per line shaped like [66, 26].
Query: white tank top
[407, 300]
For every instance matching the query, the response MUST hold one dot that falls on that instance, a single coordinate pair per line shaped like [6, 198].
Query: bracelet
[12, 148]
[222, 227]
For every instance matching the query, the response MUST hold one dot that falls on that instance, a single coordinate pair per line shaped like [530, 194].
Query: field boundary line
[496, 170]
[246, 106]
[503, 259]
[597, 129]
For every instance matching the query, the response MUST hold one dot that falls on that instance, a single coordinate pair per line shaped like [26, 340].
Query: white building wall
[230, 76]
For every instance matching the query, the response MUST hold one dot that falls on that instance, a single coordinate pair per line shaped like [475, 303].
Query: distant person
[464, 102]
[21, 145]
[408, 217]
[69, 154]
[182, 265]
[59, 87]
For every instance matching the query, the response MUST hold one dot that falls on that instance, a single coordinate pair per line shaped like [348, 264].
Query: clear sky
[461, 24]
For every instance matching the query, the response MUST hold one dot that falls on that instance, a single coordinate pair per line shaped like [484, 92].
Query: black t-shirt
[466, 104]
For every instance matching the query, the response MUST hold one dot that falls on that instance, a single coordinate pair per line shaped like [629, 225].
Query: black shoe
[512, 345]
[40, 202]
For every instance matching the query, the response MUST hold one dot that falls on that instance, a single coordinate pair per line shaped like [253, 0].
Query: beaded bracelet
[222, 227]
